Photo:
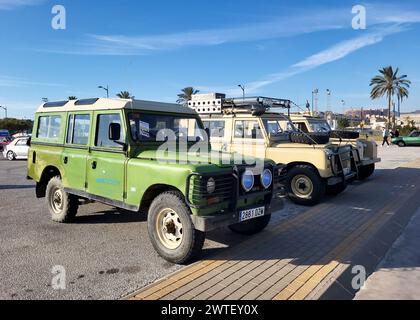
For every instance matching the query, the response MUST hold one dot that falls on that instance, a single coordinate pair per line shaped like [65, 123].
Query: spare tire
[341, 134]
[310, 138]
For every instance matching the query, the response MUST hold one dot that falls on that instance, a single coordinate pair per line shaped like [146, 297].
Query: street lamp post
[5, 110]
[328, 99]
[106, 89]
[243, 90]
[314, 92]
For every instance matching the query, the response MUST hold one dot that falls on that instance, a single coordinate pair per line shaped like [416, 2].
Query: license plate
[252, 214]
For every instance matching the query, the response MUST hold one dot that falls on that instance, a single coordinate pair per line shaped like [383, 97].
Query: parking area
[306, 253]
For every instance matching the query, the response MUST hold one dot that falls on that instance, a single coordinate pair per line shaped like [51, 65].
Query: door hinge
[86, 185]
[124, 195]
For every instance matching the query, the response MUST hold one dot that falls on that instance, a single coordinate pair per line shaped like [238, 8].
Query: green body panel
[124, 177]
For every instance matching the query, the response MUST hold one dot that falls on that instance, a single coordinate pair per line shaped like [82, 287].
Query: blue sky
[154, 48]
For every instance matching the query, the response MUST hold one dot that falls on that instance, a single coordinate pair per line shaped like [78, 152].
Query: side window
[217, 128]
[78, 129]
[49, 127]
[22, 142]
[102, 131]
[248, 130]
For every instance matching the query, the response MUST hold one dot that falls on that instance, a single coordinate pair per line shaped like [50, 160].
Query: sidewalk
[398, 276]
[309, 256]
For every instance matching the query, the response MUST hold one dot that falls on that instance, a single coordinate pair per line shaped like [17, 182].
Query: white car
[17, 149]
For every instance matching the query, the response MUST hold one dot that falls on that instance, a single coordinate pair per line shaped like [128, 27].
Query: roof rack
[217, 103]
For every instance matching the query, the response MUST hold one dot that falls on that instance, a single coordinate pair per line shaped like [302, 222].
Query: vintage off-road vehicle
[113, 151]
[251, 126]
[365, 152]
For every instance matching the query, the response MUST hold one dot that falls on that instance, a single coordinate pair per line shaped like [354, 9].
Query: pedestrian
[386, 137]
[397, 133]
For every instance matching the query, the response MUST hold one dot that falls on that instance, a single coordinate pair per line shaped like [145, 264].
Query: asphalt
[106, 254]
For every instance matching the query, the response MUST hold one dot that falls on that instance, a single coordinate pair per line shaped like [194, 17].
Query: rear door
[106, 161]
[76, 150]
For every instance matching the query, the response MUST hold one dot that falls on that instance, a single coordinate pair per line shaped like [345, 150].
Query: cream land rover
[252, 127]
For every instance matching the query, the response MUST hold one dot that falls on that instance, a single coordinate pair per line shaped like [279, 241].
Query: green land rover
[113, 151]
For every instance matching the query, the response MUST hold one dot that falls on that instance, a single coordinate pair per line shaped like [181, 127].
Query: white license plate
[252, 214]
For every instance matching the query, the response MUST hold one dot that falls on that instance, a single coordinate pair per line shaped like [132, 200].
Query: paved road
[106, 254]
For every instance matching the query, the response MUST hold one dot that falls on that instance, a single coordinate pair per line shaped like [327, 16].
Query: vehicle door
[21, 148]
[107, 158]
[217, 131]
[413, 139]
[248, 138]
[76, 150]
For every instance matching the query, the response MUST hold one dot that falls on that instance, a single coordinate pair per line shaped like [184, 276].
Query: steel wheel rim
[169, 229]
[302, 186]
[56, 200]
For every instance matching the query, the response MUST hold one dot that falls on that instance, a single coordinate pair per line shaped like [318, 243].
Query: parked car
[248, 126]
[412, 140]
[4, 139]
[109, 150]
[365, 151]
[17, 149]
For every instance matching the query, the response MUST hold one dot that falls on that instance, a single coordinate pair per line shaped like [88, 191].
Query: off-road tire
[341, 134]
[192, 241]
[251, 227]
[310, 138]
[318, 185]
[366, 171]
[70, 203]
[335, 190]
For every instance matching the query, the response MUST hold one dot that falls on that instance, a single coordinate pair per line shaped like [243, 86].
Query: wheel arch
[152, 192]
[301, 163]
[48, 173]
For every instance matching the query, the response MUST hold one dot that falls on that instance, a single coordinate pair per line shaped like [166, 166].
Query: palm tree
[72, 98]
[389, 83]
[125, 95]
[186, 95]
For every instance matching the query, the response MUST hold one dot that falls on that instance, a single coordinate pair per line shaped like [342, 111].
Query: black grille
[224, 189]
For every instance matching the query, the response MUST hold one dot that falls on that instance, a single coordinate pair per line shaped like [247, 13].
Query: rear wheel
[171, 229]
[252, 226]
[366, 171]
[11, 156]
[304, 185]
[62, 205]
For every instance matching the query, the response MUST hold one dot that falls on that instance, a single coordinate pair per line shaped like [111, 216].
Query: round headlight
[211, 185]
[248, 180]
[267, 178]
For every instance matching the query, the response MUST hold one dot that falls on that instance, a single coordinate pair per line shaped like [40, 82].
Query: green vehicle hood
[220, 159]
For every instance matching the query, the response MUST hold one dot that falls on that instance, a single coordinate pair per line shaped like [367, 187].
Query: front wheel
[62, 205]
[251, 227]
[304, 185]
[11, 156]
[366, 171]
[171, 229]
[401, 144]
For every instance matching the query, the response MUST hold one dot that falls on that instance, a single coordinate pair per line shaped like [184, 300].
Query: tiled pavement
[308, 256]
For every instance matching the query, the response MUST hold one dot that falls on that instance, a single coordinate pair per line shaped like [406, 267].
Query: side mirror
[114, 133]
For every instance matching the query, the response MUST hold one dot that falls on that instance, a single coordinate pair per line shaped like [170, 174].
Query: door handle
[66, 160]
[94, 165]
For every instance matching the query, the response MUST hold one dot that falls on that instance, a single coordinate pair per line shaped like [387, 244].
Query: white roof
[113, 104]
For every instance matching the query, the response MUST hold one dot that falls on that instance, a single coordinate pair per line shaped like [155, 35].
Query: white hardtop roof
[113, 104]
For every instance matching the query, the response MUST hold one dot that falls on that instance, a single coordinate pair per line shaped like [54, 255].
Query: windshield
[155, 127]
[278, 127]
[320, 126]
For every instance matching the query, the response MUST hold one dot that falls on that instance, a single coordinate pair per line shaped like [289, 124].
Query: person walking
[386, 137]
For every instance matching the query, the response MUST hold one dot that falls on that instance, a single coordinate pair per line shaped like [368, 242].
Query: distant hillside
[413, 112]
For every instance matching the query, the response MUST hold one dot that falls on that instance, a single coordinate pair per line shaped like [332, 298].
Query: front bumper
[367, 162]
[210, 223]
